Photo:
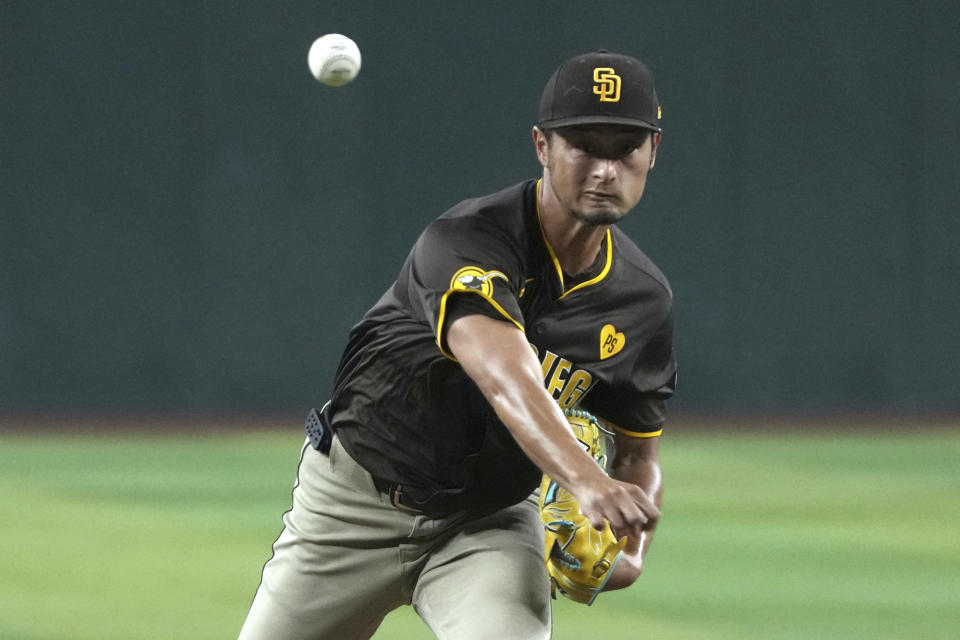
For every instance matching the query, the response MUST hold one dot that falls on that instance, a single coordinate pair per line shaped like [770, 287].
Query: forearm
[510, 378]
[499, 360]
[646, 474]
[637, 462]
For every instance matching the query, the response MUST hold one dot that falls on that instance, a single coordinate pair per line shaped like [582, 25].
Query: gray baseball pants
[346, 557]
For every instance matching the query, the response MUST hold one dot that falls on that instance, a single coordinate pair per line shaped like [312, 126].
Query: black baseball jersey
[407, 412]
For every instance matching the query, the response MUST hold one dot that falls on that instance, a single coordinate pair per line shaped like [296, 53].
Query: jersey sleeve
[637, 405]
[463, 257]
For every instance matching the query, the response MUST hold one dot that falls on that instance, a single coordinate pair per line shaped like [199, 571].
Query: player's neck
[575, 243]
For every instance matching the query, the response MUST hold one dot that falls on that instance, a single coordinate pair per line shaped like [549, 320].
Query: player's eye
[587, 147]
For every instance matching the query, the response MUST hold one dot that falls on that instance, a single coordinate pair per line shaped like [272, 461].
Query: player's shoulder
[637, 265]
[502, 216]
[508, 202]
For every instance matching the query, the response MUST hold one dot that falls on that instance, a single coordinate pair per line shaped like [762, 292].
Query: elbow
[625, 573]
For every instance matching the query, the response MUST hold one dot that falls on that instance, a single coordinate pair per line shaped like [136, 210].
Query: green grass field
[826, 535]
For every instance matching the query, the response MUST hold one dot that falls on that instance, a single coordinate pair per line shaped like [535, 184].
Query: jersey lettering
[559, 377]
[563, 382]
[547, 363]
[577, 386]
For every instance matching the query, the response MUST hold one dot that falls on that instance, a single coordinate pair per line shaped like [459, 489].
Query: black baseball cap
[600, 87]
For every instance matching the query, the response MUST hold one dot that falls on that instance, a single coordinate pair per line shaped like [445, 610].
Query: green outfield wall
[188, 221]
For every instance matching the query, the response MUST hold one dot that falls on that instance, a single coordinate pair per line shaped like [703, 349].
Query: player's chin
[599, 215]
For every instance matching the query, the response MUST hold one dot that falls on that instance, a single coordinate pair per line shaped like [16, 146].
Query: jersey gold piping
[637, 434]
[630, 433]
[443, 313]
[556, 261]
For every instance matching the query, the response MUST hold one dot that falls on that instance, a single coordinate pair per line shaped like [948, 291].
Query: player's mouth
[601, 196]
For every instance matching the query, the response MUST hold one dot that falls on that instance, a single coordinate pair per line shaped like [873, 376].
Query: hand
[626, 506]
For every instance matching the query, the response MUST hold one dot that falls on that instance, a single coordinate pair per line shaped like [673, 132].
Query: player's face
[598, 172]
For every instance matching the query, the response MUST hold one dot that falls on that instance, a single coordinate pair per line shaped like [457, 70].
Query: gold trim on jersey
[443, 313]
[523, 289]
[556, 261]
[634, 434]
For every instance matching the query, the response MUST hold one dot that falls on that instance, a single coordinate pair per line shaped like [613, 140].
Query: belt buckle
[396, 499]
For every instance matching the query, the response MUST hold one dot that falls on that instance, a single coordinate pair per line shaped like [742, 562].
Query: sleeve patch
[475, 279]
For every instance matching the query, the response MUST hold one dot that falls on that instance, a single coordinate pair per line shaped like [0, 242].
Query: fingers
[633, 545]
[625, 505]
[628, 518]
[643, 502]
[636, 510]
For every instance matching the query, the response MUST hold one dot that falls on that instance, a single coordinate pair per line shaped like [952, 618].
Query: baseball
[334, 59]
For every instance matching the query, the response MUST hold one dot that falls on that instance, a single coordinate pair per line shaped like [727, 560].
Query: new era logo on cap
[600, 87]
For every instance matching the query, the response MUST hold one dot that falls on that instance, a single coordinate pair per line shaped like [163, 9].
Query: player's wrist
[586, 480]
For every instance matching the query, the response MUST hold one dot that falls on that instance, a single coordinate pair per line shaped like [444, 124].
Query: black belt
[320, 435]
[399, 499]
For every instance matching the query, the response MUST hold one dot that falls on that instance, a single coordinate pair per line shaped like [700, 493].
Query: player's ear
[654, 144]
[541, 143]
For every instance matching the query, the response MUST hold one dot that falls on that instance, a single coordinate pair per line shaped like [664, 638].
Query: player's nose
[604, 169]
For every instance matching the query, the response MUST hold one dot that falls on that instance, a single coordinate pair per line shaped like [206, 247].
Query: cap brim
[576, 120]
